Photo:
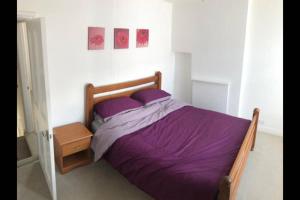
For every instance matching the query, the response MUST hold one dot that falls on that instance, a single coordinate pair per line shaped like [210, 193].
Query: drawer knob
[77, 147]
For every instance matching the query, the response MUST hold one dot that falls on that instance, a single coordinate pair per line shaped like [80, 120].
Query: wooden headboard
[91, 91]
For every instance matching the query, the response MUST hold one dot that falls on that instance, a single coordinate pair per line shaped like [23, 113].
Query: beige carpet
[261, 180]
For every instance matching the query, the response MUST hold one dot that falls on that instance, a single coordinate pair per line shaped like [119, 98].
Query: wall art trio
[96, 38]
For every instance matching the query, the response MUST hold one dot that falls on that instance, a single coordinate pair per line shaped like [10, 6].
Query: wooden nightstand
[72, 146]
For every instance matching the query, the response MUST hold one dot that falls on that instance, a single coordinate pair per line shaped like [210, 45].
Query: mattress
[184, 155]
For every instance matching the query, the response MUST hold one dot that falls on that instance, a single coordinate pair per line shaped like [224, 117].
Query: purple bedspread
[182, 156]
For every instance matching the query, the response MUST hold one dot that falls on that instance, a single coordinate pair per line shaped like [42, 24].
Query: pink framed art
[142, 37]
[96, 37]
[121, 38]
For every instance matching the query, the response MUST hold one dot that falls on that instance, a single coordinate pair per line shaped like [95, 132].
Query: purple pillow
[109, 108]
[150, 96]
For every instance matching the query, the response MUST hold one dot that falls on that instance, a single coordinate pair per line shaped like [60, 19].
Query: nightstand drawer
[74, 147]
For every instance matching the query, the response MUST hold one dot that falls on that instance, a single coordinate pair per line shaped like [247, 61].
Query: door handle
[48, 135]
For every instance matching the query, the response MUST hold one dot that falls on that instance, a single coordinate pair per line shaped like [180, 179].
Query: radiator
[210, 94]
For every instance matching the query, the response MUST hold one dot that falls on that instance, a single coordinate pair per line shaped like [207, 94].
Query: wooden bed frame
[229, 184]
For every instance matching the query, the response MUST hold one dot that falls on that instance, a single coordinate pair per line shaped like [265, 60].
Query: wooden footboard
[229, 184]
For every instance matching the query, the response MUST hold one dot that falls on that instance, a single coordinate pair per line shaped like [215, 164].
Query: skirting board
[270, 130]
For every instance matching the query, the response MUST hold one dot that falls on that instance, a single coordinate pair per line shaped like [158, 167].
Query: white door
[20, 108]
[23, 66]
[41, 98]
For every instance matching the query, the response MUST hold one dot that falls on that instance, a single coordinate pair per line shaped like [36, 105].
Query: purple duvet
[182, 156]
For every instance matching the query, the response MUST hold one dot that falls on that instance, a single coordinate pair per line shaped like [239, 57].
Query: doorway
[27, 144]
[34, 98]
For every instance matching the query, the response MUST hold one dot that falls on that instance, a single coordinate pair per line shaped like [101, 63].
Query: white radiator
[210, 94]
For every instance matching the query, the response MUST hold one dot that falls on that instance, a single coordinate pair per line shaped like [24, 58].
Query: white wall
[263, 65]
[182, 77]
[71, 65]
[214, 33]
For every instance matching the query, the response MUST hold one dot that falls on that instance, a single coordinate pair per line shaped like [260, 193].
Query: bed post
[158, 81]
[89, 103]
[229, 184]
[224, 188]
[255, 112]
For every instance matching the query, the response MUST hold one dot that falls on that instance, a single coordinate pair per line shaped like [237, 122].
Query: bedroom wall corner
[262, 79]
[213, 32]
[182, 77]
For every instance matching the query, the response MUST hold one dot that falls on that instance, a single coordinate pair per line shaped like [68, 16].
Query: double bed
[172, 150]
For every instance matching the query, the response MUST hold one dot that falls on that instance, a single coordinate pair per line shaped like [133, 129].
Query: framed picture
[96, 37]
[142, 37]
[121, 38]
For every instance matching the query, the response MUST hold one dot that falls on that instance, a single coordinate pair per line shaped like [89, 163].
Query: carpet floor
[23, 150]
[262, 178]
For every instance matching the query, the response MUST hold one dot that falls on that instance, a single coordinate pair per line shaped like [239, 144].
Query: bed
[190, 153]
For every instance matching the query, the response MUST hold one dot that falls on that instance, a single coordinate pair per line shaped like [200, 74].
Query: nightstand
[72, 146]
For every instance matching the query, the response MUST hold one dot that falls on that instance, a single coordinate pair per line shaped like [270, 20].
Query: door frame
[26, 16]
[20, 106]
